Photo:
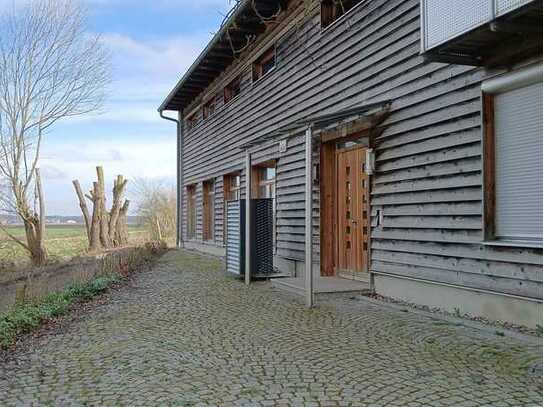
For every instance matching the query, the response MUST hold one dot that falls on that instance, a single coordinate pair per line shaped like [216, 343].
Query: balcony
[480, 32]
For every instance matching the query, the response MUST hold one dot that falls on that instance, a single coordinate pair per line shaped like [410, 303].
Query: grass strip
[25, 318]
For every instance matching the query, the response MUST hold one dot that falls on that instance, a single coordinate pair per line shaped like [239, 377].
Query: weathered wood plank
[429, 184]
[477, 281]
[471, 251]
[439, 209]
[462, 166]
[433, 222]
[429, 235]
[454, 195]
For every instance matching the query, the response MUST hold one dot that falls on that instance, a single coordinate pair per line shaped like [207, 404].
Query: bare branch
[51, 68]
[13, 237]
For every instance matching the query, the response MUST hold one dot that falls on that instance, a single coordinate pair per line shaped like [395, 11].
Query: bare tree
[104, 229]
[156, 206]
[50, 69]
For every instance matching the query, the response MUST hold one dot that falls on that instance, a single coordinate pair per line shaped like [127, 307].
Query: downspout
[180, 196]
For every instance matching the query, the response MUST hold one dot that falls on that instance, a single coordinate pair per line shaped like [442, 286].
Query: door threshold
[362, 277]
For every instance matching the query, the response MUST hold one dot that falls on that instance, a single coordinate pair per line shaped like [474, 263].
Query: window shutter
[519, 163]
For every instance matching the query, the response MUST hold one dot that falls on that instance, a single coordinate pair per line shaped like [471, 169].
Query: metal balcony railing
[479, 32]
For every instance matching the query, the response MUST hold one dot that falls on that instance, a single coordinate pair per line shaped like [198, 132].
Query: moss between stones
[27, 317]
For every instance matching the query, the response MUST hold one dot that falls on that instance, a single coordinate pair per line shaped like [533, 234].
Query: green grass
[61, 241]
[27, 317]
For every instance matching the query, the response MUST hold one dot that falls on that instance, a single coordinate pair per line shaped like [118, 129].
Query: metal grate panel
[234, 235]
[443, 21]
[505, 6]
[262, 216]
[261, 237]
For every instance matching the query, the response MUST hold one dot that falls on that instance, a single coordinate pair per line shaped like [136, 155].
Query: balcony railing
[465, 29]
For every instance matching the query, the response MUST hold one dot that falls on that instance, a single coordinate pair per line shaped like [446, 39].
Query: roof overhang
[244, 22]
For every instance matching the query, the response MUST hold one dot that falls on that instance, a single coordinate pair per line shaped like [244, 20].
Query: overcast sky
[153, 43]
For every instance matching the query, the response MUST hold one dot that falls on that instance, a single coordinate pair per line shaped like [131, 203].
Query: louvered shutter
[519, 163]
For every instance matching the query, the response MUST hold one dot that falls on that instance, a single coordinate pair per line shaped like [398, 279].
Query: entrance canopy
[329, 125]
[361, 119]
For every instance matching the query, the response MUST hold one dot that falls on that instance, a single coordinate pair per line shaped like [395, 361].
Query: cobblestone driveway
[186, 335]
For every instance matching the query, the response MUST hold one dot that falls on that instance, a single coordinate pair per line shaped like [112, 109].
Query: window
[264, 187]
[209, 109]
[232, 90]
[232, 187]
[264, 64]
[191, 211]
[192, 120]
[331, 10]
[513, 168]
[232, 192]
[265, 179]
[208, 210]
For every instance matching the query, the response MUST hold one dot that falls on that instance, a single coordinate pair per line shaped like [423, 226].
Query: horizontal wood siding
[428, 181]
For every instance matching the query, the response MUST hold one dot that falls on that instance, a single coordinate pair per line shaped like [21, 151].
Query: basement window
[232, 90]
[513, 147]
[332, 10]
[264, 64]
[209, 109]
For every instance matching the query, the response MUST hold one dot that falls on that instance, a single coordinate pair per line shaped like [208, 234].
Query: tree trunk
[95, 244]
[34, 224]
[122, 227]
[41, 202]
[158, 229]
[84, 208]
[118, 192]
[104, 216]
[38, 252]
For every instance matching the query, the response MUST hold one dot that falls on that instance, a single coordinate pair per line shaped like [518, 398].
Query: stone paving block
[183, 334]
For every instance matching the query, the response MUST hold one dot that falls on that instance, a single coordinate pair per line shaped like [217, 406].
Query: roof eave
[233, 14]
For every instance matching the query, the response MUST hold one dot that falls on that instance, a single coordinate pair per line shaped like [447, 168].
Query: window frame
[489, 168]
[257, 182]
[192, 120]
[336, 19]
[208, 210]
[227, 91]
[230, 189]
[257, 71]
[489, 89]
[264, 182]
[209, 109]
[191, 211]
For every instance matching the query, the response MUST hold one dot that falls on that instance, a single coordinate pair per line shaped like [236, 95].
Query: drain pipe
[179, 157]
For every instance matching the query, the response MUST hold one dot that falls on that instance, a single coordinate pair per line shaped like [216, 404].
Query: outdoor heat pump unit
[261, 238]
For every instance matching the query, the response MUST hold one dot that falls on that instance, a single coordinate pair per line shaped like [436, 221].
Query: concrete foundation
[457, 300]
[208, 248]
[286, 266]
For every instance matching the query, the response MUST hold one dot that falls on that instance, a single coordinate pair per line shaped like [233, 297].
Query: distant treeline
[61, 220]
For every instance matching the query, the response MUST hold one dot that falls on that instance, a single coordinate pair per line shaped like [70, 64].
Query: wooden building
[417, 126]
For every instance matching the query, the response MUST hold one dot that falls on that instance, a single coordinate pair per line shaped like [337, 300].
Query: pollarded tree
[104, 229]
[51, 68]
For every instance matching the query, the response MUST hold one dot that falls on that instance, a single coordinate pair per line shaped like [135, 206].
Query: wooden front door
[352, 213]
